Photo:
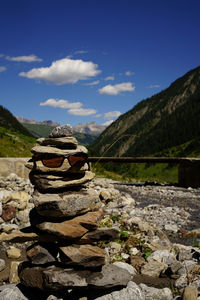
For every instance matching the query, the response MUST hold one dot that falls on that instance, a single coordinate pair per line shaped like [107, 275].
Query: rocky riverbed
[158, 242]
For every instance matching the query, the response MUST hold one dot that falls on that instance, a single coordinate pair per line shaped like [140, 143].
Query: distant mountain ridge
[167, 119]
[32, 121]
[89, 128]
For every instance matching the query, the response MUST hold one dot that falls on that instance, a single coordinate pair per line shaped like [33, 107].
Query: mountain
[41, 130]
[8, 121]
[89, 128]
[167, 119]
[32, 121]
[15, 139]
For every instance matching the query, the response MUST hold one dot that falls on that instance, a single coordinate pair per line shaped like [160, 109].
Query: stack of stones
[66, 217]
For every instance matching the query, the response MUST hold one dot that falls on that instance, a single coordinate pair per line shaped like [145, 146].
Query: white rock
[153, 268]
[126, 266]
[134, 251]
[171, 227]
[156, 294]
[163, 256]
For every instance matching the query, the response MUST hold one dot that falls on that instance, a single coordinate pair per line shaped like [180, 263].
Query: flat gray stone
[153, 268]
[63, 142]
[156, 294]
[54, 150]
[11, 292]
[131, 292]
[44, 182]
[109, 276]
[66, 204]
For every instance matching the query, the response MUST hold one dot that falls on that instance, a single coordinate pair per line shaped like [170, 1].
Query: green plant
[115, 218]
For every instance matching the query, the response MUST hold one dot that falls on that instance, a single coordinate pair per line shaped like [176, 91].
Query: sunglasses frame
[42, 156]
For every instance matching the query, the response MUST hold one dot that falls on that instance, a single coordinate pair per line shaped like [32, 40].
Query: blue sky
[77, 61]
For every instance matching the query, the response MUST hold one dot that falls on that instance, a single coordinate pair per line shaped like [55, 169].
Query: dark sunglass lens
[53, 162]
[74, 159]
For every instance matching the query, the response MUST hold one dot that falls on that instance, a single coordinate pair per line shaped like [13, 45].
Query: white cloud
[117, 88]
[61, 103]
[64, 71]
[82, 111]
[1, 55]
[80, 52]
[73, 108]
[110, 78]
[153, 86]
[107, 123]
[29, 58]
[92, 83]
[2, 69]
[112, 114]
[97, 116]
[128, 73]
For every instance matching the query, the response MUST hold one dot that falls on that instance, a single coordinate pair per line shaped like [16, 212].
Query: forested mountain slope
[167, 119]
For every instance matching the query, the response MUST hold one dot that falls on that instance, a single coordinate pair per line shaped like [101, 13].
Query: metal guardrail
[176, 160]
[188, 168]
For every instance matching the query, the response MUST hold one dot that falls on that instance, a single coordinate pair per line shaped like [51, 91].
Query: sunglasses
[56, 160]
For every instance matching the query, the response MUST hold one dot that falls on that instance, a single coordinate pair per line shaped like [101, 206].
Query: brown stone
[83, 255]
[13, 276]
[74, 228]
[31, 277]
[137, 262]
[39, 255]
[100, 234]
[190, 293]
[8, 213]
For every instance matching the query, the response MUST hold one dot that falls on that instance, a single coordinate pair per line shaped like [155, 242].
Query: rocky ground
[158, 243]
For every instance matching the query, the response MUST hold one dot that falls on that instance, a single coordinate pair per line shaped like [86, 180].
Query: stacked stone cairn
[65, 219]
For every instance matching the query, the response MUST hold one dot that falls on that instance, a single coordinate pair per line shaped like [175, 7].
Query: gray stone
[163, 256]
[54, 150]
[61, 131]
[156, 294]
[45, 182]
[153, 268]
[56, 279]
[109, 276]
[181, 282]
[126, 266]
[188, 265]
[65, 204]
[63, 142]
[131, 292]
[171, 227]
[11, 292]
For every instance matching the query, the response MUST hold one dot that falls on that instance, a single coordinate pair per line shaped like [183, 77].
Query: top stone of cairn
[61, 131]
